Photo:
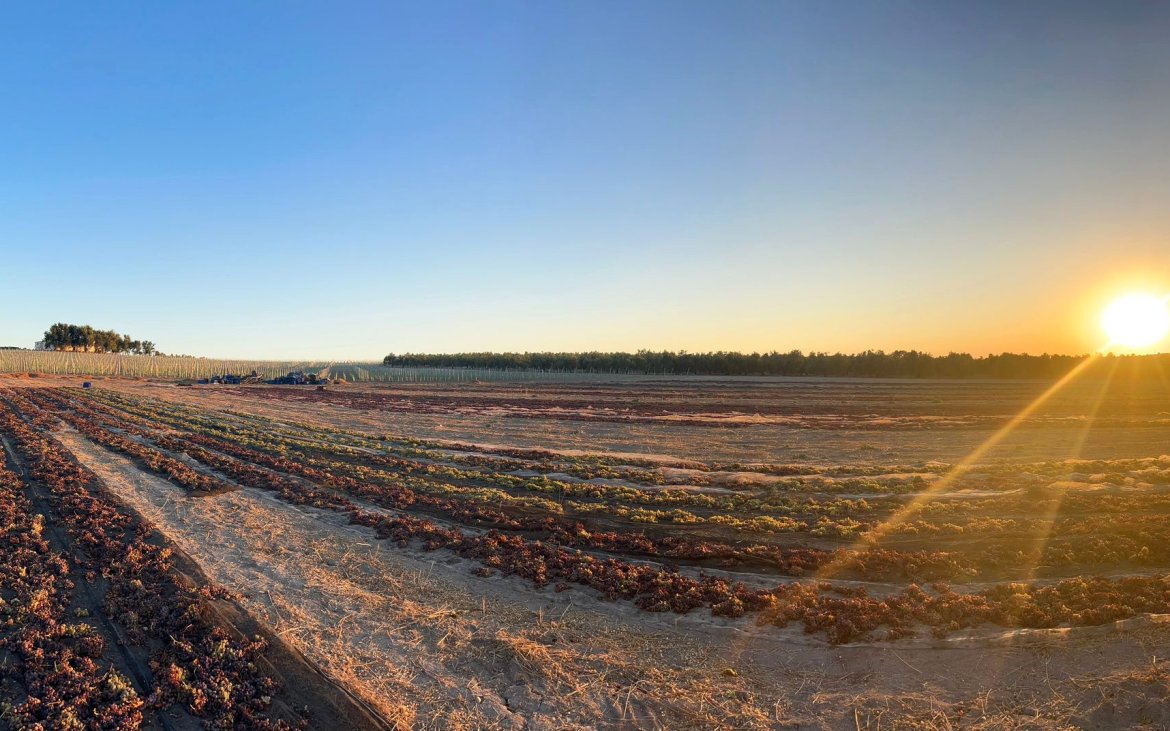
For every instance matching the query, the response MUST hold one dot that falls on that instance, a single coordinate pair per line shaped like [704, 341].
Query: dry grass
[432, 647]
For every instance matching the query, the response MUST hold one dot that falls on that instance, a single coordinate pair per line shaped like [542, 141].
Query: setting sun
[1136, 320]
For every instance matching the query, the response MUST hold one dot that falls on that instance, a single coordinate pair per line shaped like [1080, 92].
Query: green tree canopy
[63, 336]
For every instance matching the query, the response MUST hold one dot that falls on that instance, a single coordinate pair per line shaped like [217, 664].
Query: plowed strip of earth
[428, 645]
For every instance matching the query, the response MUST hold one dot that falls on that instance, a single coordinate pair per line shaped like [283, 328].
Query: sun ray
[1044, 524]
[1035, 554]
[873, 537]
[1046, 521]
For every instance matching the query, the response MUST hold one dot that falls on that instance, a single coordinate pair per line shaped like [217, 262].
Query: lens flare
[1136, 320]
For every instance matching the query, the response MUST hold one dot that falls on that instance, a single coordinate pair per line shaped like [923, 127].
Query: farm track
[154, 647]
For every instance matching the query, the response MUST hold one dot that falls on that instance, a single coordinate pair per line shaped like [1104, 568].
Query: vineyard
[188, 367]
[842, 553]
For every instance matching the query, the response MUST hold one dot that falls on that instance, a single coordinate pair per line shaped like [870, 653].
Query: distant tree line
[62, 336]
[869, 364]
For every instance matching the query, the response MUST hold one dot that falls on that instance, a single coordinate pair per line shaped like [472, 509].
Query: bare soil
[828, 422]
[429, 645]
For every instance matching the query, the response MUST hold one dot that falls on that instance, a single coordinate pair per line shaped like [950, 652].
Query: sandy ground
[434, 647]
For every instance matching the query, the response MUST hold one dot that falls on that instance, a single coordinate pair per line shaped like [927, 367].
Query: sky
[343, 180]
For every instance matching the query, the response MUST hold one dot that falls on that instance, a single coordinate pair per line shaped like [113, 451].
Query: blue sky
[343, 180]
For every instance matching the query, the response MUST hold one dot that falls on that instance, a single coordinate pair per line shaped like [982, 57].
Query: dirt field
[769, 483]
[764, 420]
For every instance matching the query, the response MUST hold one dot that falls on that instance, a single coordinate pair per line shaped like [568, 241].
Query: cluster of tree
[870, 364]
[62, 336]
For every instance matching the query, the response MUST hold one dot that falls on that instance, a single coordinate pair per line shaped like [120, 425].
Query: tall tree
[63, 336]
